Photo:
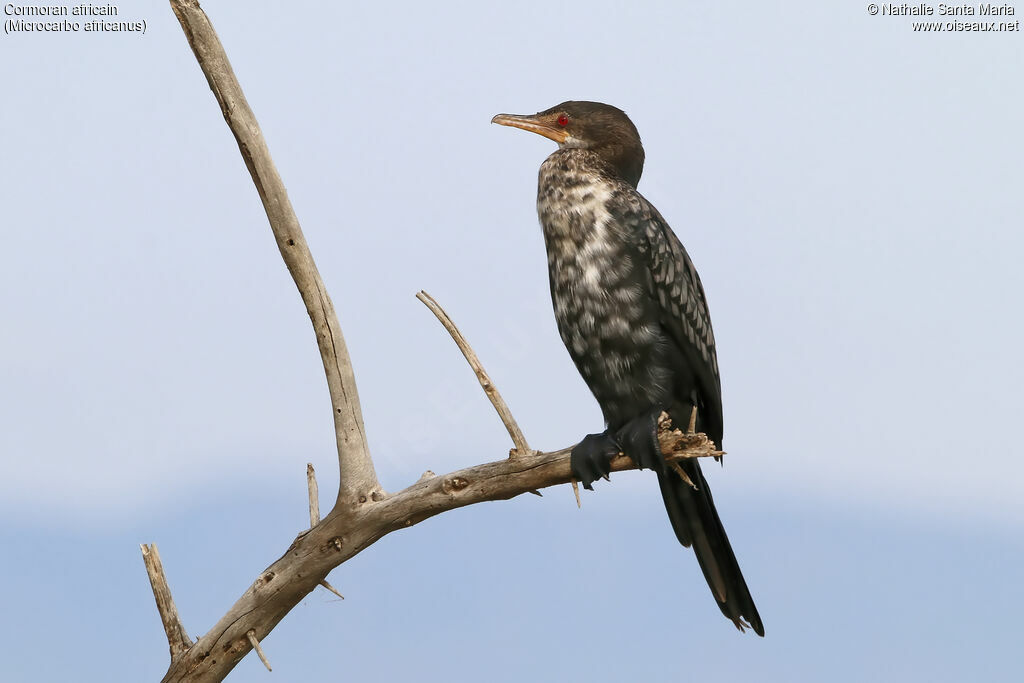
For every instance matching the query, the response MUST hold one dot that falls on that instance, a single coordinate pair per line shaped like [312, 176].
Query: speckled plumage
[632, 313]
[628, 302]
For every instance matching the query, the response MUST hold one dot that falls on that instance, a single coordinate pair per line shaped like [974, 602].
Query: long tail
[696, 523]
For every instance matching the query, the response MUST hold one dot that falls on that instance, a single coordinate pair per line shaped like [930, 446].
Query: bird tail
[696, 523]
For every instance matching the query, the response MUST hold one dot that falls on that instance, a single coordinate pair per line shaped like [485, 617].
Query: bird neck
[612, 163]
[627, 160]
[574, 191]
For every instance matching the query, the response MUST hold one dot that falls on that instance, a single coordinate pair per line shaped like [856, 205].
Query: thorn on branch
[576, 492]
[251, 635]
[692, 427]
[683, 475]
[331, 588]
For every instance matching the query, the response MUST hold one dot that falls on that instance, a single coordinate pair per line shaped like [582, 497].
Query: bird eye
[563, 120]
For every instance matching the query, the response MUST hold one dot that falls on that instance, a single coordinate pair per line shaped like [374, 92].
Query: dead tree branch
[340, 537]
[358, 477]
[314, 496]
[363, 513]
[177, 637]
[521, 446]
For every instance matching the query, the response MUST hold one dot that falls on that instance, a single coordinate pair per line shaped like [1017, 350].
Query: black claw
[639, 439]
[591, 459]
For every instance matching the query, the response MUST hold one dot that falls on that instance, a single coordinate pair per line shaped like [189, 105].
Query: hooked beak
[548, 129]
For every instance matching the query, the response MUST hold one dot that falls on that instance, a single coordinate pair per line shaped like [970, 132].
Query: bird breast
[601, 307]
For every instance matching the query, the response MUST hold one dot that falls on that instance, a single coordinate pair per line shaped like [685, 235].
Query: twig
[331, 588]
[521, 447]
[314, 496]
[358, 479]
[177, 637]
[692, 427]
[682, 474]
[251, 634]
[576, 492]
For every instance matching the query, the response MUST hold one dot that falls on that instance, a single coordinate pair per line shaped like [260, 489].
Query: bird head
[599, 128]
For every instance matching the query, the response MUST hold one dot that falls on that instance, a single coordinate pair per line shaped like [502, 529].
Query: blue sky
[849, 189]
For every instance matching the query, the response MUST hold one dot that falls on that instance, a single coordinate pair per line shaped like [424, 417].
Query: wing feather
[675, 286]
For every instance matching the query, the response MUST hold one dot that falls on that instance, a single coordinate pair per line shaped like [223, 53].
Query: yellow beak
[548, 129]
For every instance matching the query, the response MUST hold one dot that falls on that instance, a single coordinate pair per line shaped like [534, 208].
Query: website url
[958, 26]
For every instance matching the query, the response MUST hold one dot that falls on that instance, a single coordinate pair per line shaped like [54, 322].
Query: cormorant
[631, 310]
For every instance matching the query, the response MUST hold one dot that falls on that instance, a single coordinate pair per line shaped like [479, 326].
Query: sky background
[850, 190]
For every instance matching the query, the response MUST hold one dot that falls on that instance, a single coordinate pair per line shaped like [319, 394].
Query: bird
[632, 313]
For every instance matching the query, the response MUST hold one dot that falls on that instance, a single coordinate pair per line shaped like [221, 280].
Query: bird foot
[639, 439]
[591, 458]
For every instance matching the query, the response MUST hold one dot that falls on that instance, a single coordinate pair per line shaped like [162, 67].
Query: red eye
[563, 120]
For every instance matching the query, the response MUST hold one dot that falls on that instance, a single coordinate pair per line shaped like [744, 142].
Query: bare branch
[521, 447]
[358, 478]
[340, 536]
[177, 637]
[251, 635]
[314, 496]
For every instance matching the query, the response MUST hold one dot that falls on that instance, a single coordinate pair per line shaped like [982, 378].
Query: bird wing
[678, 294]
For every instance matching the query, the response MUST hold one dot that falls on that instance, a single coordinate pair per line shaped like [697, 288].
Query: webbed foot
[639, 439]
[591, 458]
